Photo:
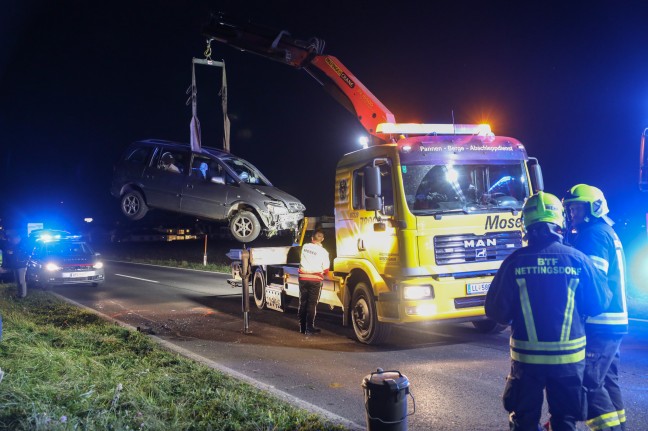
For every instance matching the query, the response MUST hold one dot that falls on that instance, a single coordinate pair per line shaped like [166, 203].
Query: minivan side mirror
[217, 180]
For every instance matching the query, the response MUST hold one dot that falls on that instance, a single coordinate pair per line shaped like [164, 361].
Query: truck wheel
[258, 288]
[367, 328]
[245, 226]
[133, 205]
[488, 326]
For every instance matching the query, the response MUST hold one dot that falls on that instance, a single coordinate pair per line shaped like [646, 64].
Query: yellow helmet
[543, 207]
[590, 195]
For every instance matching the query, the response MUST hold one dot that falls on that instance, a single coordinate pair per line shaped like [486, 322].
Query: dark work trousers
[309, 294]
[21, 283]
[605, 409]
[524, 395]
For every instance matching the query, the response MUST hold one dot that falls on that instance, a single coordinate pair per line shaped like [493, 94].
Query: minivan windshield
[245, 171]
[447, 188]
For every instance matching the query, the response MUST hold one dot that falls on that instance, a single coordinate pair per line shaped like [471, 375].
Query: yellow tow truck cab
[421, 226]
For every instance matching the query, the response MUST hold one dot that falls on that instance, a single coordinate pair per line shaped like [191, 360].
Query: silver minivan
[211, 184]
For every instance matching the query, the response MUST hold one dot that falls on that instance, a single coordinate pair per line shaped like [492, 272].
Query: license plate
[78, 274]
[477, 288]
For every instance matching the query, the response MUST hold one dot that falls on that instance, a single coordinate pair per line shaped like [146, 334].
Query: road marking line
[137, 278]
[638, 320]
[170, 267]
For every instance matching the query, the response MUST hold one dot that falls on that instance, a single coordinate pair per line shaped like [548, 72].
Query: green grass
[67, 369]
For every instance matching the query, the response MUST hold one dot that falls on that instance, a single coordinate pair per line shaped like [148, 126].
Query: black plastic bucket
[386, 400]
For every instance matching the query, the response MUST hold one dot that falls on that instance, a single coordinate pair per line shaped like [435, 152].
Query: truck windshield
[433, 189]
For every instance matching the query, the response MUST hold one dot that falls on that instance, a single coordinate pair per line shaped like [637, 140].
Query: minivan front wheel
[133, 205]
[245, 226]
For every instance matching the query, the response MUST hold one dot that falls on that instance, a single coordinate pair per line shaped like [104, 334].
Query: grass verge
[67, 369]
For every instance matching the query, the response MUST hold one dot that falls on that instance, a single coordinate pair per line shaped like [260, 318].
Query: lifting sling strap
[194, 125]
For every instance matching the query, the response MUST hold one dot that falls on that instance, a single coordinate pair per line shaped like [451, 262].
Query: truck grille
[452, 249]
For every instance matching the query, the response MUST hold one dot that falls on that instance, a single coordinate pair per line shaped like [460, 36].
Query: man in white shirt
[314, 264]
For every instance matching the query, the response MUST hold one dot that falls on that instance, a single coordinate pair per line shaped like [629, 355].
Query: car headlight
[98, 265]
[294, 207]
[52, 267]
[417, 292]
[276, 208]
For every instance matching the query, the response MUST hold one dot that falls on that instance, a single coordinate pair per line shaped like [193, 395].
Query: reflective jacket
[314, 262]
[545, 291]
[598, 240]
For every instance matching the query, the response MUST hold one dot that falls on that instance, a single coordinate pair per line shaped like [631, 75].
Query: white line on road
[171, 267]
[137, 278]
[638, 320]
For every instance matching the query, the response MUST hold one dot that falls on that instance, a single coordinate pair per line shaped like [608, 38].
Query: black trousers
[309, 294]
[605, 410]
[523, 395]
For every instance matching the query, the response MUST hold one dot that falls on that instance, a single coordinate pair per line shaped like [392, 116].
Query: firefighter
[314, 264]
[590, 231]
[545, 291]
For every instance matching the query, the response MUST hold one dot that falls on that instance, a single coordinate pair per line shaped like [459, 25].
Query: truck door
[164, 177]
[206, 189]
[376, 238]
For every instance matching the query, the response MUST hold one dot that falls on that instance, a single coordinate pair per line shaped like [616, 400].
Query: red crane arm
[307, 55]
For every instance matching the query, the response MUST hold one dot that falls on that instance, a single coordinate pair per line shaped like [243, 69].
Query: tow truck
[424, 215]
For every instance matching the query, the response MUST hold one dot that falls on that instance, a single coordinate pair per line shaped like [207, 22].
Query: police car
[59, 258]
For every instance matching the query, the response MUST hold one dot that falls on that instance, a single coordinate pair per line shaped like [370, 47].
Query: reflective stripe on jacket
[545, 291]
[598, 240]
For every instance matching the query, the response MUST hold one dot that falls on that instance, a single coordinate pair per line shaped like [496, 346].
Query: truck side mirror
[373, 192]
[372, 181]
[373, 203]
[643, 164]
[537, 182]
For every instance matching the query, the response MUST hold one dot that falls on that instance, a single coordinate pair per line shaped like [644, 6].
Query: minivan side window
[173, 161]
[205, 169]
[139, 155]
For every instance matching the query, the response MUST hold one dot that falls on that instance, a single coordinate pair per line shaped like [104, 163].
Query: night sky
[79, 81]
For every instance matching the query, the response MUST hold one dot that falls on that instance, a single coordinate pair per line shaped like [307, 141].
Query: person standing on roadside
[313, 265]
[545, 291]
[590, 231]
[15, 258]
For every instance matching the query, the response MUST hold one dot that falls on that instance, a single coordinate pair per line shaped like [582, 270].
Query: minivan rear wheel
[245, 226]
[133, 205]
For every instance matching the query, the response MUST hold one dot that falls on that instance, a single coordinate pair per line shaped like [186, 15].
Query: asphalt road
[456, 375]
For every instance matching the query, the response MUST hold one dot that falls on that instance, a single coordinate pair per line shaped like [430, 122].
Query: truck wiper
[438, 214]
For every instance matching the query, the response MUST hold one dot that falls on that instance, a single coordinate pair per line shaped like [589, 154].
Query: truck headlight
[417, 292]
[52, 267]
[98, 265]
